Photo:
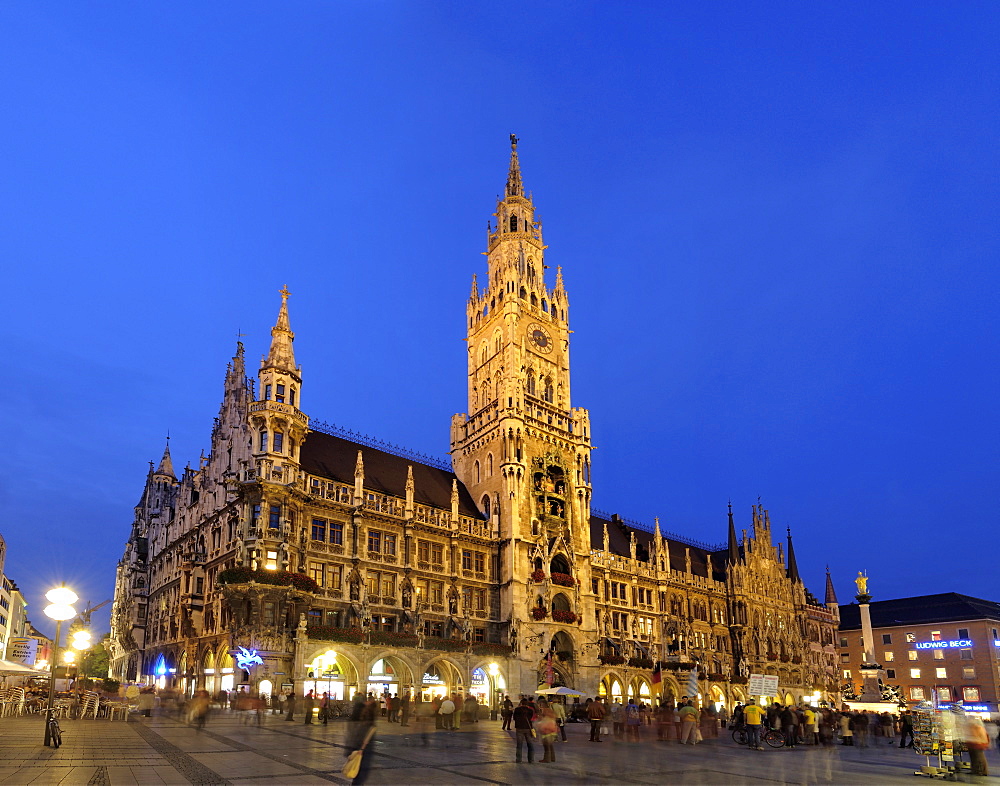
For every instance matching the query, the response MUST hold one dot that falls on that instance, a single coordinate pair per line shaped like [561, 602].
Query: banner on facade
[22, 650]
[762, 685]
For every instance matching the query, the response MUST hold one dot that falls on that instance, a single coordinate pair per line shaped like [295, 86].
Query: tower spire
[734, 548]
[514, 186]
[831, 593]
[281, 355]
[792, 570]
[166, 464]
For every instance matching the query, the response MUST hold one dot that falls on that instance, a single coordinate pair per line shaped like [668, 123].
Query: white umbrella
[562, 690]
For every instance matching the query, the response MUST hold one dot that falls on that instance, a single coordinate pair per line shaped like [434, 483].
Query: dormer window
[280, 394]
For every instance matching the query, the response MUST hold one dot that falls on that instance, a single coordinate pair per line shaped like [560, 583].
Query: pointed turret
[281, 355]
[474, 295]
[831, 593]
[734, 544]
[792, 570]
[514, 185]
[166, 465]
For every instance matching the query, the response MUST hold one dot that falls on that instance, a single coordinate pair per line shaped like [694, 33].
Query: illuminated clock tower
[522, 450]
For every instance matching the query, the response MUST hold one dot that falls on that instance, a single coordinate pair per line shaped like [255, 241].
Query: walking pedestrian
[559, 710]
[524, 731]
[506, 713]
[595, 714]
[290, 706]
[548, 730]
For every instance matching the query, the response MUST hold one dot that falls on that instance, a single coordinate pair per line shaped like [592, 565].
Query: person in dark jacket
[524, 730]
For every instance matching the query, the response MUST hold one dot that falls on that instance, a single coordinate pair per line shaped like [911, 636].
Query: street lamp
[60, 609]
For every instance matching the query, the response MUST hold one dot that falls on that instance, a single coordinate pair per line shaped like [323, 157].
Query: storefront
[324, 675]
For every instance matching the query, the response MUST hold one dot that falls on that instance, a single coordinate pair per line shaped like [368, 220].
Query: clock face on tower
[539, 338]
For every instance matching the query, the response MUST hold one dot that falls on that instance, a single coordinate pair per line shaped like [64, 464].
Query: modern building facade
[943, 648]
[14, 622]
[342, 564]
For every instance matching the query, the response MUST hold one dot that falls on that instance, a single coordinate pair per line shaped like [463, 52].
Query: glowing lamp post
[60, 608]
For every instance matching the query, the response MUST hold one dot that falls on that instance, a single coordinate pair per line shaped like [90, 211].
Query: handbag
[352, 766]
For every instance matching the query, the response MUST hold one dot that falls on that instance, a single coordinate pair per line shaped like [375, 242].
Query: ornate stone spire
[166, 464]
[514, 186]
[281, 355]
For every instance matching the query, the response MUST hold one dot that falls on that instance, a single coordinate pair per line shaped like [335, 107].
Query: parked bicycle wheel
[774, 738]
[740, 736]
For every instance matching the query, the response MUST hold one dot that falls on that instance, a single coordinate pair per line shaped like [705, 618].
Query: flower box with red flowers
[563, 616]
[539, 614]
[563, 580]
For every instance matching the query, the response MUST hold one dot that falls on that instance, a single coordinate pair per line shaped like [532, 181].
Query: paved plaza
[162, 750]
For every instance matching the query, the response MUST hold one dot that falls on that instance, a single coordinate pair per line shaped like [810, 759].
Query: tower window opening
[549, 393]
[291, 396]
[263, 441]
[486, 505]
[513, 223]
[534, 300]
[279, 394]
[279, 441]
[477, 471]
[267, 392]
[524, 294]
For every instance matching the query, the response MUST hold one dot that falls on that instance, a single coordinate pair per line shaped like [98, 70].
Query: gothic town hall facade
[297, 557]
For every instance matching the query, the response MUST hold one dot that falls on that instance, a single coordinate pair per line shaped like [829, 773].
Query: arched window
[545, 305]
[524, 293]
[489, 465]
[560, 603]
[513, 223]
[486, 393]
[496, 342]
[534, 300]
[531, 383]
[476, 470]
[486, 505]
[549, 393]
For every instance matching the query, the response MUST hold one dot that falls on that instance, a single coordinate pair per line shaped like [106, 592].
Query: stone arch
[561, 603]
[559, 564]
[349, 667]
[451, 674]
[641, 689]
[612, 685]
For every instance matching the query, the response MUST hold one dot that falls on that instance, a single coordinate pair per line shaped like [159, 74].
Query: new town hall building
[295, 556]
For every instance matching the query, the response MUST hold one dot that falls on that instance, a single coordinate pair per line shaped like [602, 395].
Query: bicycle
[55, 733]
[774, 739]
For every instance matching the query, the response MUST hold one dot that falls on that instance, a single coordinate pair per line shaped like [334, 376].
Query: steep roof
[619, 535]
[333, 457]
[921, 609]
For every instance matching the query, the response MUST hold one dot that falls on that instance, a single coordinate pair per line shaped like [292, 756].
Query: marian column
[871, 670]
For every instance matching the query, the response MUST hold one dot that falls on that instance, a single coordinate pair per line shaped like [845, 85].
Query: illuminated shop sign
[967, 707]
[940, 645]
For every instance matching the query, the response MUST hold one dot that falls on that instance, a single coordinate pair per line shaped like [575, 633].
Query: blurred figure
[290, 706]
[198, 709]
[906, 729]
[548, 730]
[361, 732]
[308, 704]
[559, 710]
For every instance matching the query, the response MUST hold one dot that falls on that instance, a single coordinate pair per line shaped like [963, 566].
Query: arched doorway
[611, 688]
[640, 691]
[208, 670]
[325, 675]
[227, 679]
[440, 678]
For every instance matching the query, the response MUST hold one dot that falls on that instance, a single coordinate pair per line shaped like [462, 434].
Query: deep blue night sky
[777, 225]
